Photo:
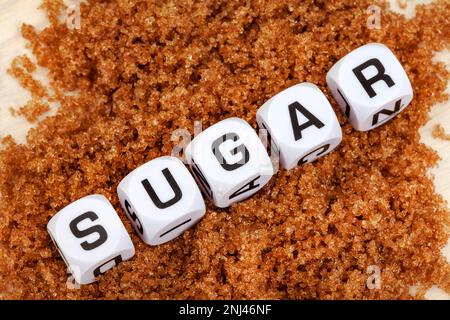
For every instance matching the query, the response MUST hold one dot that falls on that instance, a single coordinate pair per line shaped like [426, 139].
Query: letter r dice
[301, 123]
[370, 85]
[90, 237]
[161, 199]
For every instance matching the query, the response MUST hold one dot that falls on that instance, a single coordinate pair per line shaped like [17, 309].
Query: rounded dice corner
[53, 222]
[51, 225]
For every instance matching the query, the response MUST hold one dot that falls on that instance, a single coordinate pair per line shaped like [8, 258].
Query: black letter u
[173, 184]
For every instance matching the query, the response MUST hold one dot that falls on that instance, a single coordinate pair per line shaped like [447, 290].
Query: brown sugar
[402, 4]
[143, 69]
[32, 110]
[22, 69]
[439, 133]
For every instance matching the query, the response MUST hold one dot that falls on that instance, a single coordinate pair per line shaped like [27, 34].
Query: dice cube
[370, 85]
[90, 237]
[301, 123]
[229, 161]
[161, 199]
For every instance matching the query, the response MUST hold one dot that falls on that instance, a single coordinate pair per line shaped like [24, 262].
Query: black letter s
[102, 234]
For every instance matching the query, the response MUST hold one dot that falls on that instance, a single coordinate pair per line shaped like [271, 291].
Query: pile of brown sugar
[145, 68]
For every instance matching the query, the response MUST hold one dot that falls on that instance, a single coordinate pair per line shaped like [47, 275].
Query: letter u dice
[370, 85]
[90, 237]
[161, 199]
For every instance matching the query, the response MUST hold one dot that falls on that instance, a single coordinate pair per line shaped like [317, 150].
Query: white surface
[158, 225]
[14, 12]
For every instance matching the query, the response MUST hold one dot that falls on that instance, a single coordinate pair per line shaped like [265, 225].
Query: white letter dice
[301, 123]
[90, 237]
[370, 86]
[229, 161]
[161, 199]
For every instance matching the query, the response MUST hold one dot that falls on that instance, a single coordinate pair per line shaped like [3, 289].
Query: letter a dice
[370, 85]
[161, 199]
[229, 161]
[90, 237]
[301, 123]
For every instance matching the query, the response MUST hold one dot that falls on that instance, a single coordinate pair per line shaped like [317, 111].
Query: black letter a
[151, 192]
[296, 128]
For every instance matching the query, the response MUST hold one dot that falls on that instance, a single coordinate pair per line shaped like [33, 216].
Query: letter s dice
[90, 237]
[370, 85]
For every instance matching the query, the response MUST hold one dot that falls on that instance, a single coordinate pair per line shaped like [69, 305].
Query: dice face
[229, 161]
[301, 123]
[161, 199]
[370, 85]
[90, 237]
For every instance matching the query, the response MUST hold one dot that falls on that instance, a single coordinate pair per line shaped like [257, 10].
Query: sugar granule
[439, 133]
